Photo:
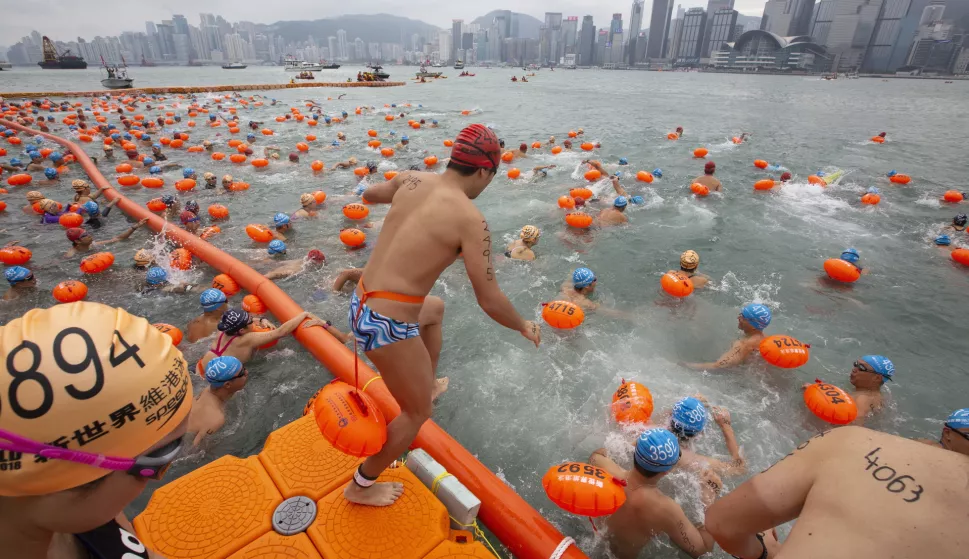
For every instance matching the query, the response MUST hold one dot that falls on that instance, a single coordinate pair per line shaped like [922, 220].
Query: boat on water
[293, 65]
[377, 71]
[305, 76]
[459, 65]
[465, 75]
[117, 77]
[4, 65]
[234, 66]
[64, 61]
[425, 74]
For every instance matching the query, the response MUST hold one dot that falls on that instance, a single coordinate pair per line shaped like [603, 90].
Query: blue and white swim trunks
[373, 330]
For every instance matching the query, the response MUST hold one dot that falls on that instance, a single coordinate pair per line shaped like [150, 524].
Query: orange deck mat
[275, 546]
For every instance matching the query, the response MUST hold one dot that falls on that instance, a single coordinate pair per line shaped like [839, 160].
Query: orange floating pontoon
[517, 525]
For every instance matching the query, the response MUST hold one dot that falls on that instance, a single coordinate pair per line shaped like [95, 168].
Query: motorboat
[60, 61]
[234, 66]
[117, 78]
[305, 76]
[4, 65]
[425, 74]
[459, 65]
[293, 65]
[378, 71]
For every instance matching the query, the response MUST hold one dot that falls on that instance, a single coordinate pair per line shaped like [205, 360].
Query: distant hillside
[528, 26]
[375, 28]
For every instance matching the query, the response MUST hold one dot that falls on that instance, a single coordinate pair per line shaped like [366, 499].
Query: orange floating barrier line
[525, 532]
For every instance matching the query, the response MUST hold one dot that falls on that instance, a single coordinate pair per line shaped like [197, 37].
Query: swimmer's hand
[721, 416]
[140, 223]
[533, 332]
[770, 542]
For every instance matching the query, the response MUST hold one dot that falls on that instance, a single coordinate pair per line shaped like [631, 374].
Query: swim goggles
[151, 466]
[863, 367]
[957, 431]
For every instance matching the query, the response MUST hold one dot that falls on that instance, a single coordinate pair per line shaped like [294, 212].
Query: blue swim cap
[156, 276]
[393, 104]
[872, 190]
[433, 121]
[359, 189]
[637, 200]
[658, 173]
[623, 161]
[15, 162]
[127, 136]
[958, 420]
[689, 417]
[17, 274]
[146, 138]
[280, 219]
[334, 143]
[115, 136]
[657, 450]
[620, 202]
[212, 118]
[168, 200]
[943, 240]
[277, 247]
[756, 315]
[90, 207]
[156, 146]
[344, 113]
[38, 140]
[148, 161]
[881, 365]
[583, 277]
[155, 169]
[211, 299]
[405, 139]
[55, 157]
[250, 135]
[50, 173]
[327, 118]
[188, 172]
[850, 255]
[393, 133]
[892, 173]
[221, 370]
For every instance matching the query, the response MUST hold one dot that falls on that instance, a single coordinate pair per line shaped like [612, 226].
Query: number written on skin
[894, 483]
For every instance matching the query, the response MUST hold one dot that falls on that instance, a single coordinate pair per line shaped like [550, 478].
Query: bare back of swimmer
[431, 221]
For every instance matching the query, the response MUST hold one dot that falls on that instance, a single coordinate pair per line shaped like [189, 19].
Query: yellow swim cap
[208, 176]
[530, 233]
[306, 199]
[48, 205]
[86, 377]
[689, 260]
[226, 178]
[79, 184]
[143, 257]
[34, 196]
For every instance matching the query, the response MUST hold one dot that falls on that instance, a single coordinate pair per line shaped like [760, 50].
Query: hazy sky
[66, 19]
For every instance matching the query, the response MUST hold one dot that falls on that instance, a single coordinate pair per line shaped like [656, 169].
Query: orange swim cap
[90, 378]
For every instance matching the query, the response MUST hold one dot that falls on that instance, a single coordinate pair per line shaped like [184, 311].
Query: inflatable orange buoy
[871, 199]
[253, 304]
[764, 184]
[672, 136]
[699, 189]
[566, 202]
[736, 140]
[69, 291]
[185, 185]
[97, 263]
[173, 332]
[374, 144]
[181, 259]
[156, 205]
[210, 231]
[218, 156]
[760, 164]
[177, 143]
[152, 182]
[584, 489]
[901, 179]
[319, 196]
[218, 211]
[644, 176]
[841, 270]
[592, 175]
[389, 175]
[562, 314]
[372, 133]
[123, 168]
[700, 153]
[353, 237]
[581, 192]
[784, 352]
[308, 138]
[961, 255]
[830, 403]
[361, 171]
[259, 162]
[356, 211]
[514, 173]
[389, 118]
[676, 283]
[536, 145]
[19, 179]
[225, 284]
[814, 179]
[235, 143]
[15, 255]
[952, 196]
[267, 132]
[259, 233]
[632, 403]
[448, 143]
[579, 219]
[349, 419]
[430, 161]
[237, 158]
[128, 180]
[387, 152]
[310, 404]
[878, 139]
[238, 186]
[556, 150]
[317, 165]
[587, 146]
[507, 157]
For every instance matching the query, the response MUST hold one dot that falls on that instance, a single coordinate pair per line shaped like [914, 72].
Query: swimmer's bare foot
[377, 495]
[440, 387]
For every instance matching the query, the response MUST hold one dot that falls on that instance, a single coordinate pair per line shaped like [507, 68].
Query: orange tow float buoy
[878, 139]
[830, 403]
[700, 190]
[356, 211]
[760, 163]
[319, 196]
[644, 176]
[218, 211]
[592, 175]
[764, 184]
[514, 173]
[579, 219]
[316, 165]
[784, 352]
[871, 199]
[676, 283]
[152, 182]
[587, 146]
[349, 419]
[430, 161]
[566, 202]
[259, 233]
[841, 270]
[185, 185]
[581, 192]
[253, 304]
[97, 263]
[961, 255]
[389, 175]
[353, 237]
[128, 180]
[181, 259]
[901, 179]
[260, 162]
[562, 314]
[70, 219]
[173, 332]
[155, 205]
[69, 291]
[556, 150]
[15, 255]
[632, 403]
[952, 196]
[700, 153]
[225, 284]
[583, 489]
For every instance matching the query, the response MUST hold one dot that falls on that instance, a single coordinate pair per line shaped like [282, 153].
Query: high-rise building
[359, 51]
[635, 26]
[691, 40]
[659, 28]
[444, 45]
[896, 29]
[206, 19]
[550, 39]
[738, 30]
[615, 26]
[570, 35]
[787, 18]
[180, 23]
[851, 31]
[720, 30]
[587, 42]
[456, 34]
[333, 47]
[822, 19]
[602, 41]
[675, 34]
[150, 28]
[341, 40]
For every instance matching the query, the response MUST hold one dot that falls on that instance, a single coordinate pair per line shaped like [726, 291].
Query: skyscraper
[570, 32]
[550, 44]
[587, 42]
[851, 31]
[787, 18]
[180, 23]
[823, 16]
[635, 25]
[896, 30]
[720, 26]
[659, 27]
[615, 26]
[341, 40]
[333, 47]
[456, 34]
[691, 40]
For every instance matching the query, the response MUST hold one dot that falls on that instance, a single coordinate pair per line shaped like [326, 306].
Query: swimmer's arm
[383, 193]
[261, 338]
[600, 460]
[126, 234]
[476, 248]
[733, 357]
[98, 194]
[694, 540]
[738, 466]
[347, 275]
[618, 187]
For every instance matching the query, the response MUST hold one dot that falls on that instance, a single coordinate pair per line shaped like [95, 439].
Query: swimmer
[687, 420]
[521, 152]
[828, 485]
[238, 339]
[786, 176]
[276, 247]
[689, 263]
[190, 221]
[209, 179]
[21, 281]
[433, 124]
[294, 157]
[345, 276]
[36, 162]
[227, 183]
[404, 142]
[944, 244]
[64, 506]
[52, 177]
[93, 211]
[352, 162]
[226, 376]
[143, 259]
[308, 207]
[156, 153]
[214, 303]
[743, 137]
[156, 279]
[271, 152]
[868, 374]
[207, 145]
[965, 195]
[189, 173]
[82, 241]
[522, 248]
[752, 321]
[581, 288]
[410, 254]
[852, 257]
[679, 131]
[647, 512]
[15, 166]
[615, 215]
[82, 191]
[567, 145]
[108, 151]
[32, 198]
[958, 223]
[955, 433]
[281, 224]
[540, 172]
[707, 179]
[173, 208]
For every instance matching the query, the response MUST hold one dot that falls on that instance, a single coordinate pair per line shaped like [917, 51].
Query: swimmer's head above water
[959, 220]
[688, 418]
[18, 276]
[584, 280]
[709, 168]
[943, 240]
[143, 258]
[78, 237]
[955, 432]
[689, 261]
[657, 451]
[276, 247]
[754, 318]
[475, 157]
[234, 321]
[530, 235]
[316, 256]
[226, 372]
[212, 299]
[871, 371]
[620, 203]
